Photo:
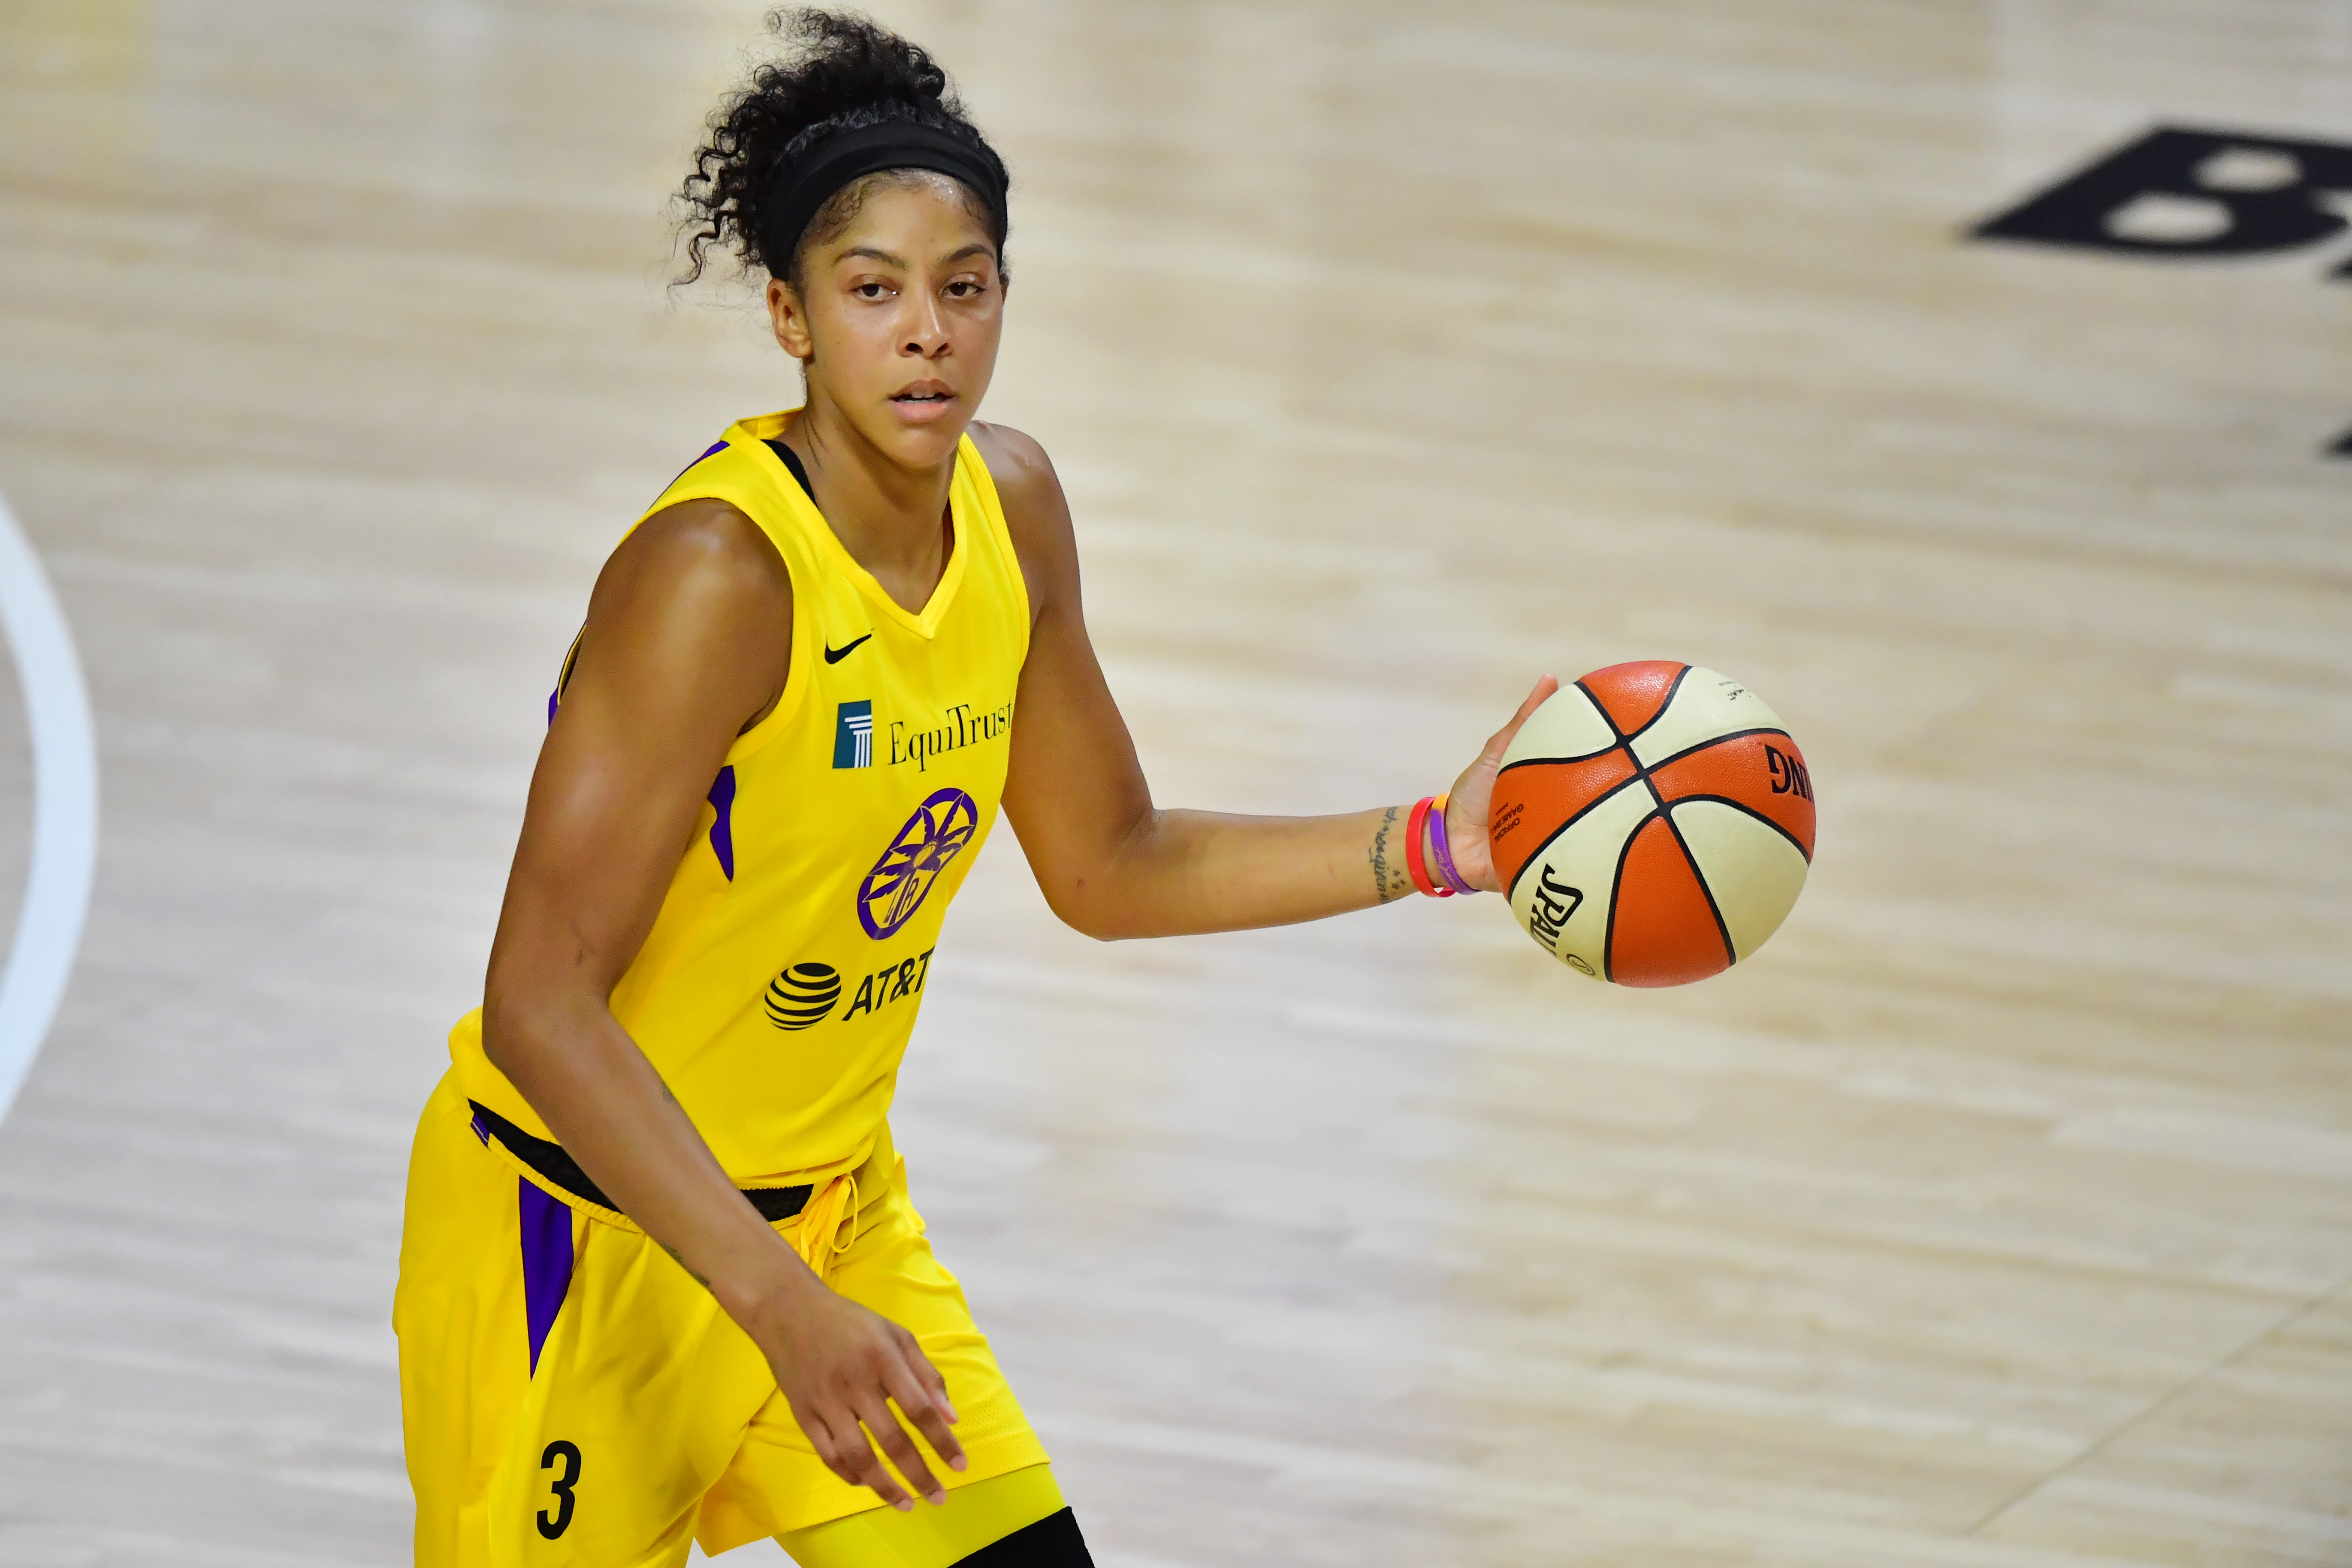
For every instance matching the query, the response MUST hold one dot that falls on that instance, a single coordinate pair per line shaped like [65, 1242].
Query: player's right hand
[841, 1368]
[1473, 792]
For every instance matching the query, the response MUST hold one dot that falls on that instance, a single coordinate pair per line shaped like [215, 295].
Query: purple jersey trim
[546, 1260]
[717, 447]
[722, 826]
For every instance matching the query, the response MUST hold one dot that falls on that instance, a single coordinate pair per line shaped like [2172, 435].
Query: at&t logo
[802, 995]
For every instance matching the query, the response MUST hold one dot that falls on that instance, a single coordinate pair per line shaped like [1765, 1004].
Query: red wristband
[1414, 826]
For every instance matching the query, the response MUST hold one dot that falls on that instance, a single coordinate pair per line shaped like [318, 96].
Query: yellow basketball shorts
[571, 1396]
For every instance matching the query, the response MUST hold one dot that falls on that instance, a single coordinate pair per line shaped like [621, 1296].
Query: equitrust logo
[959, 725]
[956, 726]
[852, 735]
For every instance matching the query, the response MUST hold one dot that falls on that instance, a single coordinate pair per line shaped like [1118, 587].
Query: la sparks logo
[901, 880]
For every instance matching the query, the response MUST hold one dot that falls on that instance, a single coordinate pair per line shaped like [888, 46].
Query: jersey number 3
[551, 1527]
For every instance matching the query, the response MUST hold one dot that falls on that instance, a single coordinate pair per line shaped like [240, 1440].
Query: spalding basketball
[1653, 824]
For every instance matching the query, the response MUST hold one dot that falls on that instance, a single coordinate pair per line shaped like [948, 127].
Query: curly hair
[843, 72]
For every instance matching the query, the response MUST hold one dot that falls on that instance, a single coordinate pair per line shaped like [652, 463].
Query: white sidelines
[64, 806]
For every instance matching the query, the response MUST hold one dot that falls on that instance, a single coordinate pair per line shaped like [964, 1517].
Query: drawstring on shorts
[816, 1236]
[839, 1246]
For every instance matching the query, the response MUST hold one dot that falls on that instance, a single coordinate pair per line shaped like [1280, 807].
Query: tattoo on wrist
[1380, 856]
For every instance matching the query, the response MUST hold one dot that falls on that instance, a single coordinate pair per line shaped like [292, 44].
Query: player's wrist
[1465, 853]
[770, 1291]
[1429, 856]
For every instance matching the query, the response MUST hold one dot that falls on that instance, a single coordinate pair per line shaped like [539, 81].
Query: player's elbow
[1087, 918]
[518, 1026]
[502, 1031]
[1082, 907]
[1106, 931]
[1103, 888]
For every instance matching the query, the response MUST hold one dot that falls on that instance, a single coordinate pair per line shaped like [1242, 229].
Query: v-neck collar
[924, 623]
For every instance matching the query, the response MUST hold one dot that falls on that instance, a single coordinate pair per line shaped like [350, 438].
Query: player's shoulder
[1026, 485]
[701, 548]
[1037, 515]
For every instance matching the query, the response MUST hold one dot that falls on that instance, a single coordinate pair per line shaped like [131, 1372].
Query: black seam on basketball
[1699, 875]
[1602, 709]
[1620, 744]
[1616, 887]
[1531, 762]
[1660, 714]
[1586, 810]
[1746, 810]
[1641, 776]
[1695, 749]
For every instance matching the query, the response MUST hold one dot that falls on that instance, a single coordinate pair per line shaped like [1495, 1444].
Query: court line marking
[64, 806]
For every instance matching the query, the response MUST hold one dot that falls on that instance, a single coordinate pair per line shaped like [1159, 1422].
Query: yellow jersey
[779, 985]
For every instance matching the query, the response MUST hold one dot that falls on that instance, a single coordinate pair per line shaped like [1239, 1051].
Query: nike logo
[835, 655]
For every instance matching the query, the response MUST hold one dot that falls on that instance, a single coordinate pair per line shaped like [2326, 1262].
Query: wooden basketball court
[1998, 1216]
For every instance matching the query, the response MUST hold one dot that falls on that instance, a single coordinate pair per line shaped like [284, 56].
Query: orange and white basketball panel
[1565, 726]
[1703, 706]
[1765, 772]
[1533, 798]
[1631, 694]
[1562, 896]
[1662, 927]
[1749, 867]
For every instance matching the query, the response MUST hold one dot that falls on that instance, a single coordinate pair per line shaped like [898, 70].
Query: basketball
[1653, 824]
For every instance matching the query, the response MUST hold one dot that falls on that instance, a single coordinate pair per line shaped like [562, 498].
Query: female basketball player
[661, 1276]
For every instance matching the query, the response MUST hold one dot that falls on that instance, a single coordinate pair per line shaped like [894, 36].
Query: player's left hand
[1473, 792]
[843, 1368]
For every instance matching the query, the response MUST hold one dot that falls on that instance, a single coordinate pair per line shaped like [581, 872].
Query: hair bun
[841, 72]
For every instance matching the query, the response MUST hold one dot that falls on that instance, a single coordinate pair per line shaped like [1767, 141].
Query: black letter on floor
[2225, 195]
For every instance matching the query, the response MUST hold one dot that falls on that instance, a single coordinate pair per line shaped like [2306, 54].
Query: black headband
[809, 184]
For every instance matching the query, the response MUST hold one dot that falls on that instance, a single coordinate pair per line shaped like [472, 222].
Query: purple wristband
[1444, 853]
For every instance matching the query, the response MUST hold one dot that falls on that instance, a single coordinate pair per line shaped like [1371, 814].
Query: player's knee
[1052, 1542]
